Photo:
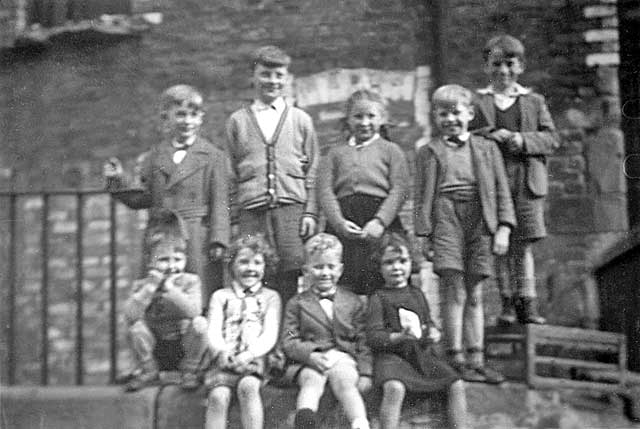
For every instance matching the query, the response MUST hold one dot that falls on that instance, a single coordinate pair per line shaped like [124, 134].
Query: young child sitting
[519, 121]
[362, 186]
[244, 320]
[323, 336]
[400, 333]
[163, 313]
[464, 211]
[184, 173]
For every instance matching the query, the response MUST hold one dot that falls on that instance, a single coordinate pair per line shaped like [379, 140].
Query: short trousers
[222, 377]
[529, 208]
[461, 240]
[280, 226]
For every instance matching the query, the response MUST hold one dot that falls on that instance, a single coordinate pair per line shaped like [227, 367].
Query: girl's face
[395, 266]
[248, 268]
[365, 118]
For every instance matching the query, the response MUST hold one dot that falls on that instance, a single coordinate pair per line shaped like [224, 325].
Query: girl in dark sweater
[362, 186]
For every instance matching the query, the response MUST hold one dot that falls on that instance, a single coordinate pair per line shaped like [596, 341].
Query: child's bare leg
[343, 378]
[250, 401]
[311, 384]
[393, 392]
[507, 315]
[454, 310]
[474, 322]
[523, 272]
[217, 407]
[457, 406]
[474, 333]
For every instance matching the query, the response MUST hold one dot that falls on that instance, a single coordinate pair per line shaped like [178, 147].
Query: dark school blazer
[493, 186]
[537, 129]
[306, 329]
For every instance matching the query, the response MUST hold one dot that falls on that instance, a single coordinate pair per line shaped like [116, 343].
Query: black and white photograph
[301, 214]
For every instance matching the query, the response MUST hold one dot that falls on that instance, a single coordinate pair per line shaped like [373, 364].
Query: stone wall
[67, 107]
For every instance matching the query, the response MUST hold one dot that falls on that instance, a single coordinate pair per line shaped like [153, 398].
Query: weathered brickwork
[68, 107]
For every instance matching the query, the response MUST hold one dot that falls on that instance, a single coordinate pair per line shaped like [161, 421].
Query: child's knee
[248, 388]
[474, 296]
[456, 294]
[219, 398]
[394, 389]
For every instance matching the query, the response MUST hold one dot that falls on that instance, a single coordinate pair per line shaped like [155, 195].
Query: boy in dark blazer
[188, 175]
[323, 335]
[519, 121]
[465, 213]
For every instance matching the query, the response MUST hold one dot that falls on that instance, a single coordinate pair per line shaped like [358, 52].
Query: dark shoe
[467, 373]
[489, 375]
[508, 315]
[305, 419]
[189, 380]
[527, 311]
[142, 379]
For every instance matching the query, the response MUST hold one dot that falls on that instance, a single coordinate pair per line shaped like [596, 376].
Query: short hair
[257, 244]
[161, 241]
[395, 241]
[177, 95]
[270, 56]
[321, 243]
[505, 44]
[450, 95]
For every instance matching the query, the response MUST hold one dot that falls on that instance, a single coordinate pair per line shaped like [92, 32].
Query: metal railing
[80, 196]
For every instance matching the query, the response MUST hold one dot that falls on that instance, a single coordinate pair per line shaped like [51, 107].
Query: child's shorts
[529, 208]
[461, 240]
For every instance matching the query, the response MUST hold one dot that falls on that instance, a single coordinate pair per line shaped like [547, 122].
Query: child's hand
[434, 334]
[425, 246]
[242, 359]
[404, 335]
[501, 240]
[373, 229]
[112, 168]
[200, 324]
[216, 251]
[308, 226]
[225, 360]
[515, 143]
[319, 361]
[352, 229]
[364, 384]
[501, 135]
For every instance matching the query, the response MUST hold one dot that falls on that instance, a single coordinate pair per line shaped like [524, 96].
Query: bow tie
[327, 295]
[456, 141]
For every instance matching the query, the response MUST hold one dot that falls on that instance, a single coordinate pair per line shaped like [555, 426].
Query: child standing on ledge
[362, 186]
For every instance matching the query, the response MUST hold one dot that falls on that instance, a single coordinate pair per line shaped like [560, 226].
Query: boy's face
[453, 120]
[183, 120]
[248, 268]
[323, 270]
[395, 266]
[503, 71]
[365, 119]
[168, 260]
[269, 82]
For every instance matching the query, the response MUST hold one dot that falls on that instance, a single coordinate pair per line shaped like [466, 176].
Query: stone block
[603, 59]
[607, 81]
[570, 215]
[605, 157]
[599, 11]
[610, 212]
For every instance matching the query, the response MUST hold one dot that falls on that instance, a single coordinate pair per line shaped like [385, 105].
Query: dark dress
[413, 362]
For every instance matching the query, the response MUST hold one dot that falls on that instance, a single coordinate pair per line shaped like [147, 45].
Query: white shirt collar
[278, 105]
[514, 91]
[352, 141]
[240, 292]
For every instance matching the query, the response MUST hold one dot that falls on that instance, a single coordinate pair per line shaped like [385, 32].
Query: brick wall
[68, 107]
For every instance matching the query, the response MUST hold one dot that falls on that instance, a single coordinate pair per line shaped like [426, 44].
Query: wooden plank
[563, 383]
[575, 363]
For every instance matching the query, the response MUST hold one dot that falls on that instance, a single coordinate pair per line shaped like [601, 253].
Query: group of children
[357, 322]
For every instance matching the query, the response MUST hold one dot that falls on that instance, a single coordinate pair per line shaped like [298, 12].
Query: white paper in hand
[410, 321]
